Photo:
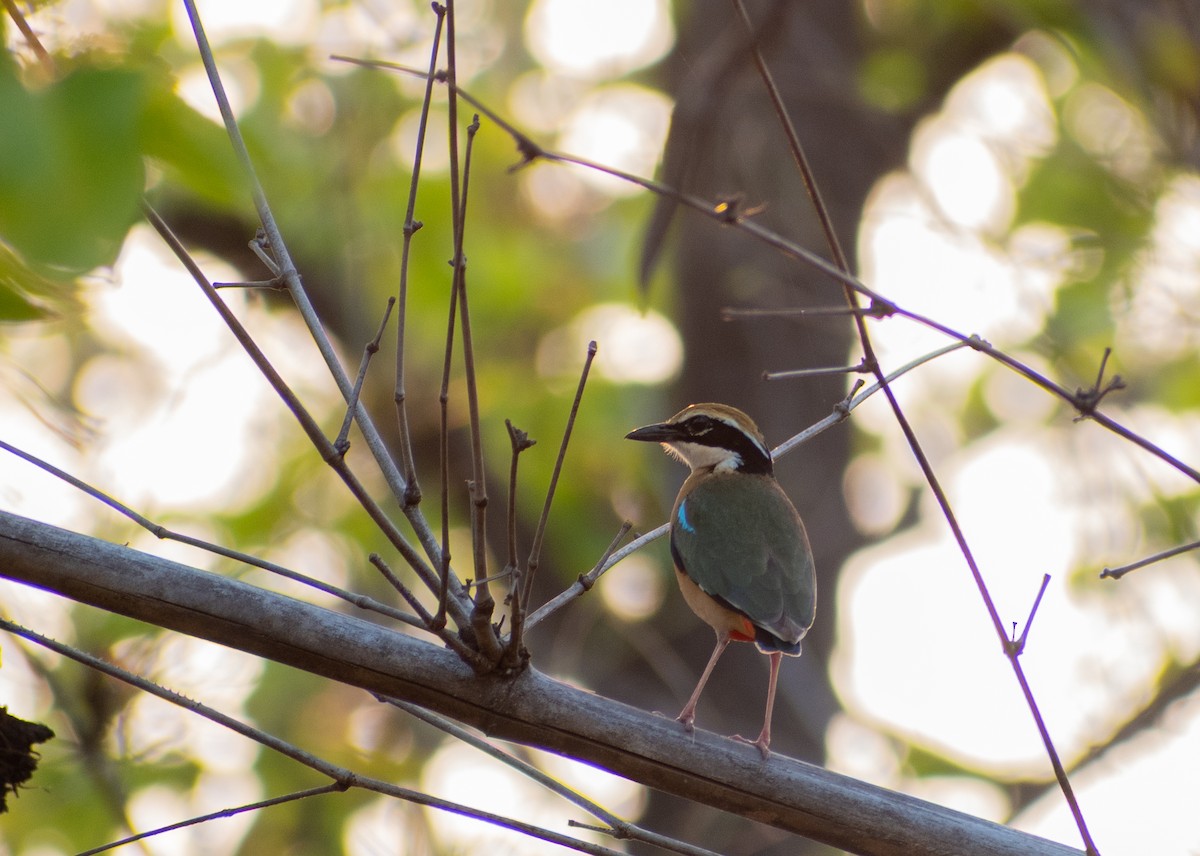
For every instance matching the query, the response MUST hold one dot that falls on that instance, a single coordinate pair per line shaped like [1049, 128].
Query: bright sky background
[917, 656]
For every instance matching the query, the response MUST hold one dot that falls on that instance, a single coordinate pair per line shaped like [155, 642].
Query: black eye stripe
[706, 431]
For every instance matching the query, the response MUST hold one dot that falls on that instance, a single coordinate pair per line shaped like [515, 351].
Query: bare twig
[275, 284]
[472, 658]
[584, 583]
[1117, 573]
[444, 456]
[342, 443]
[793, 141]
[535, 552]
[792, 374]
[332, 788]
[514, 651]
[1017, 646]
[877, 309]
[412, 491]
[485, 604]
[520, 442]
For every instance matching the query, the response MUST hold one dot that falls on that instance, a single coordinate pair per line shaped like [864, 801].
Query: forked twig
[1017, 646]
[342, 443]
[584, 583]
[514, 652]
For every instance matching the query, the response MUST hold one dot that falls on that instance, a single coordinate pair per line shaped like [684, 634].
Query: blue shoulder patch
[681, 518]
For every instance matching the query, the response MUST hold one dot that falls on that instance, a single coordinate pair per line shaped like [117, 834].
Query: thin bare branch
[343, 777]
[335, 787]
[792, 374]
[485, 604]
[471, 658]
[342, 443]
[875, 310]
[412, 492]
[264, 284]
[535, 552]
[514, 651]
[1117, 573]
[616, 827]
[584, 583]
[794, 146]
[1017, 646]
[520, 442]
[444, 572]
[30, 37]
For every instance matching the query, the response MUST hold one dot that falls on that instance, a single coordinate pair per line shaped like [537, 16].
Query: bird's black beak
[663, 432]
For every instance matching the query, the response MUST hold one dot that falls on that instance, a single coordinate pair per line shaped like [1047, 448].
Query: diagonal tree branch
[530, 708]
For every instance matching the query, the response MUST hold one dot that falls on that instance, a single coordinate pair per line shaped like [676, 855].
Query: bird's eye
[699, 425]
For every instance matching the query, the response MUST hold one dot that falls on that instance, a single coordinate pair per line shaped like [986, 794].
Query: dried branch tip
[519, 439]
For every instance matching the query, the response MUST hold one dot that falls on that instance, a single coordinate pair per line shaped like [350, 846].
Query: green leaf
[71, 174]
[193, 151]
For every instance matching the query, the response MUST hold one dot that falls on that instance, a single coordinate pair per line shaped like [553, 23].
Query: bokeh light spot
[598, 40]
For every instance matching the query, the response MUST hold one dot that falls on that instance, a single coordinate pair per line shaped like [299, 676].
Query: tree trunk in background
[726, 141]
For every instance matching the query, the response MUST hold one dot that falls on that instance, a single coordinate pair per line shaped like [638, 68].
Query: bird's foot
[763, 743]
[688, 720]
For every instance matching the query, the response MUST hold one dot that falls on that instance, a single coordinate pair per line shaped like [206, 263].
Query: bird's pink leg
[688, 715]
[764, 738]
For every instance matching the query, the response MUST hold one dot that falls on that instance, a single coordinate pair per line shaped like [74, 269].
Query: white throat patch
[702, 457]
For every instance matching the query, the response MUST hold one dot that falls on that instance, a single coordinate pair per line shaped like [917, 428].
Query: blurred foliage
[77, 153]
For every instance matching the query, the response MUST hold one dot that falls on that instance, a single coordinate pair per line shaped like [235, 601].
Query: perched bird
[741, 554]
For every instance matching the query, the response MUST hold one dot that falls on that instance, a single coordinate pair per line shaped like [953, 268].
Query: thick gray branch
[532, 709]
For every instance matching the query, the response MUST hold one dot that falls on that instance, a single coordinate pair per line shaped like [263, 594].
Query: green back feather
[739, 538]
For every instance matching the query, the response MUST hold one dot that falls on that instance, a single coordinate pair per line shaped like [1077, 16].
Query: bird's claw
[762, 744]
